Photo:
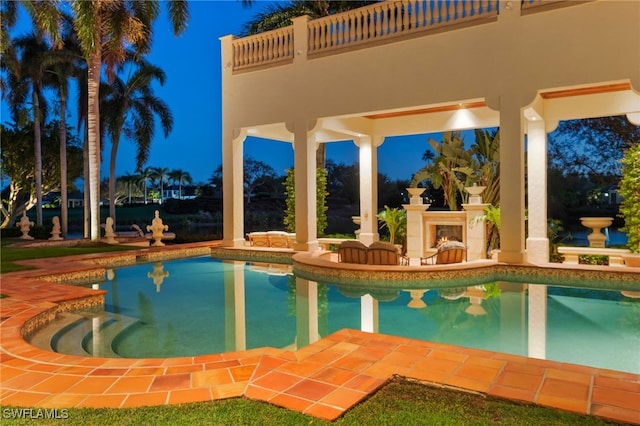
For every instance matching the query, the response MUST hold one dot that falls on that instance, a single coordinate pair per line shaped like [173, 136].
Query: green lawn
[9, 255]
[400, 402]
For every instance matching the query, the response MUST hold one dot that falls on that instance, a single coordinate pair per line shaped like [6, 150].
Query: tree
[180, 176]
[321, 204]
[129, 107]
[32, 51]
[105, 29]
[630, 191]
[451, 169]
[17, 145]
[161, 176]
[131, 182]
[592, 147]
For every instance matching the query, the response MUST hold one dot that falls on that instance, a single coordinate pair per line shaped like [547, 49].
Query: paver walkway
[323, 379]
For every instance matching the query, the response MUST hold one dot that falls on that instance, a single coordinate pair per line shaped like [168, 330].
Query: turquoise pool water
[202, 305]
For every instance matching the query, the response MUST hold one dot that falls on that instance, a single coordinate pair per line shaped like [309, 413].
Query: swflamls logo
[35, 413]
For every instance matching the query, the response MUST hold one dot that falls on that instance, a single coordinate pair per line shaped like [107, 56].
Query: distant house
[53, 199]
[611, 195]
[173, 191]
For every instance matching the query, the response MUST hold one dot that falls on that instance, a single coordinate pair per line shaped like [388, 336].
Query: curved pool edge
[39, 378]
[325, 267]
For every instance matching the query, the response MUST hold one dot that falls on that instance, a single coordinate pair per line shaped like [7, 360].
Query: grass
[10, 255]
[399, 402]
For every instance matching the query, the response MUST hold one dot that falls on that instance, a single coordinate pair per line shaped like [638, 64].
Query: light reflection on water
[202, 305]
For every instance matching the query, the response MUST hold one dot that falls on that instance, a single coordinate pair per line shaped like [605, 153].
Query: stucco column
[233, 188]
[512, 212]
[537, 240]
[304, 149]
[415, 232]
[368, 163]
[476, 231]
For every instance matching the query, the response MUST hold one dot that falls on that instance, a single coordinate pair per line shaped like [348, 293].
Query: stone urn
[474, 193]
[415, 195]
[596, 238]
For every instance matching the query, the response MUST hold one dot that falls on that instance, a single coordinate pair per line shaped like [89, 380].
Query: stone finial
[157, 228]
[55, 232]
[25, 226]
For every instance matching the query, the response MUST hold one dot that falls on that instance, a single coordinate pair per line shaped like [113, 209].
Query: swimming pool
[202, 305]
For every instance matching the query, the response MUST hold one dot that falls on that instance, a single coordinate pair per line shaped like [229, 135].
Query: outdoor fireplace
[440, 226]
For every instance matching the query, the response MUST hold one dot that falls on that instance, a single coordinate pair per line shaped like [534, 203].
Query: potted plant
[395, 220]
[630, 206]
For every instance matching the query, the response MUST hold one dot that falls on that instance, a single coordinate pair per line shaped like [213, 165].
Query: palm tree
[130, 181]
[66, 63]
[31, 77]
[105, 30]
[160, 175]
[145, 175]
[180, 176]
[129, 107]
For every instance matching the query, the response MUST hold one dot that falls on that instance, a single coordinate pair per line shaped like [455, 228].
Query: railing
[266, 48]
[388, 19]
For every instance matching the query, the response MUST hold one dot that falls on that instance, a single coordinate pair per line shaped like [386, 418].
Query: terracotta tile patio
[322, 380]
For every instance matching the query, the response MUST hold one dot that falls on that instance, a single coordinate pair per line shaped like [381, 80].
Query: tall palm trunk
[86, 223]
[63, 165]
[93, 127]
[112, 179]
[37, 149]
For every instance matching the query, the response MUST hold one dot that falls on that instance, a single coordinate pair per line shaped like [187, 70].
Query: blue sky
[192, 91]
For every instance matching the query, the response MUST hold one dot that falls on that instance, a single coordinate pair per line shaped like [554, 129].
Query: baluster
[325, 35]
[388, 19]
[468, 8]
[449, 12]
[357, 36]
[419, 5]
[365, 25]
[400, 11]
[435, 12]
[378, 18]
[317, 37]
[406, 23]
[458, 10]
[287, 48]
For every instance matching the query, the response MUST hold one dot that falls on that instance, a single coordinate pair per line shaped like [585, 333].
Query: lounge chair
[258, 239]
[383, 253]
[449, 252]
[278, 239]
[352, 252]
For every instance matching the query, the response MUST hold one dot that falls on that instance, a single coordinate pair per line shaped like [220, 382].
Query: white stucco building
[407, 67]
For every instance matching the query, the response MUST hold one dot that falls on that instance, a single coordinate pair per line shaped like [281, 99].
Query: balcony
[384, 22]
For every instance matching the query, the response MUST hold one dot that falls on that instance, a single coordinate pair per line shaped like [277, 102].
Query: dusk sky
[193, 92]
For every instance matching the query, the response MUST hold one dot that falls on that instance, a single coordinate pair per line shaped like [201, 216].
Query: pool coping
[323, 379]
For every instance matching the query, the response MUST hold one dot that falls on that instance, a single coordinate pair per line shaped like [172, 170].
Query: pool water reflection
[202, 305]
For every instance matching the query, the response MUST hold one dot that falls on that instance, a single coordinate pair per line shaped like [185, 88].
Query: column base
[538, 250]
[512, 257]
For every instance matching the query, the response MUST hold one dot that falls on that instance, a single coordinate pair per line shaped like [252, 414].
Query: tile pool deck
[322, 380]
